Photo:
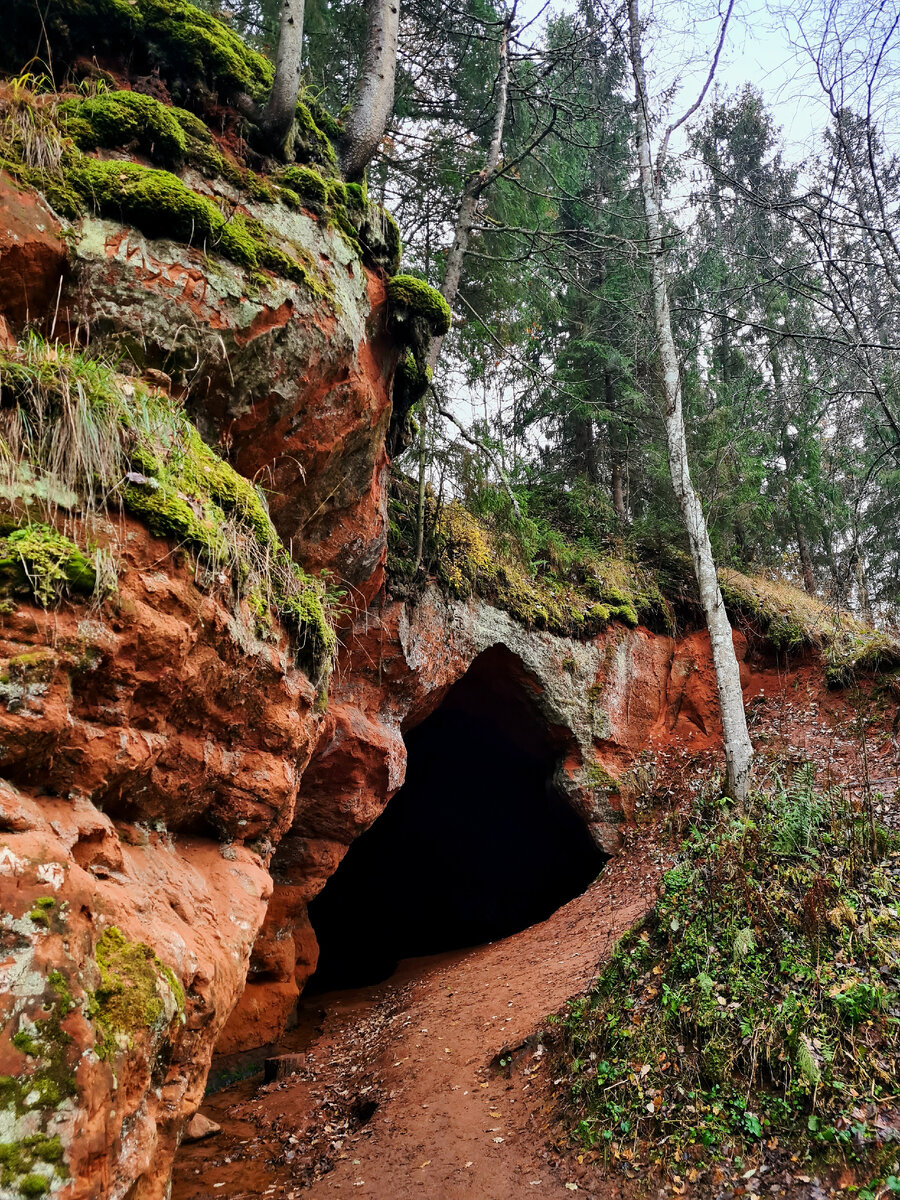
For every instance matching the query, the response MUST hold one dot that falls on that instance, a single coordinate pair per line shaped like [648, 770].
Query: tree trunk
[618, 474]
[423, 463]
[278, 116]
[465, 220]
[838, 590]
[738, 749]
[373, 98]
[584, 448]
[806, 567]
[863, 601]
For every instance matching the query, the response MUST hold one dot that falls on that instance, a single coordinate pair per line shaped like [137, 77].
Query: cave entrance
[477, 844]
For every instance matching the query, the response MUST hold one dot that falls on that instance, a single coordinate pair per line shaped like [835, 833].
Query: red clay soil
[402, 1093]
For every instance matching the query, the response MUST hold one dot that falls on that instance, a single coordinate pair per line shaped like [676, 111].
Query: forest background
[783, 257]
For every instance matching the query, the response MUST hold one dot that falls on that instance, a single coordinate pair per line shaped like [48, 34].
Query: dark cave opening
[477, 844]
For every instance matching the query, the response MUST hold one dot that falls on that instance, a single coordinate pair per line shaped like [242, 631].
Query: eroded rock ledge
[151, 761]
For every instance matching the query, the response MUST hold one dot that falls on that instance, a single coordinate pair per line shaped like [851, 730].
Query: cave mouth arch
[476, 845]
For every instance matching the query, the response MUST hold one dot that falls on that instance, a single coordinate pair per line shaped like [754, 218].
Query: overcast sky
[762, 48]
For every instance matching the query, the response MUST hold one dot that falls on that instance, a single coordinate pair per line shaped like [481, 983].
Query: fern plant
[800, 810]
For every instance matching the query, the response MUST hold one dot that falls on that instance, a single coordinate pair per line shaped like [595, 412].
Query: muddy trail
[434, 1083]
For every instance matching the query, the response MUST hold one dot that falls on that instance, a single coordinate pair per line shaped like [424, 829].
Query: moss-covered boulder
[413, 299]
[191, 50]
[125, 119]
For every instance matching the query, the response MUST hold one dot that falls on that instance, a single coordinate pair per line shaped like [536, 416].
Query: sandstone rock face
[151, 758]
[151, 754]
[611, 704]
[171, 798]
[33, 258]
[292, 383]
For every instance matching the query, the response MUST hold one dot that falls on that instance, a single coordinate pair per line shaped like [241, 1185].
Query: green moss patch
[190, 47]
[125, 119]
[416, 314]
[413, 299]
[308, 185]
[755, 1015]
[412, 379]
[311, 145]
[40, 560]
[138, 448]
[137, 993]
[791, 619]
[160, 205]
[18, 1161]
[164, 133]
[152, 199]
[41, 911]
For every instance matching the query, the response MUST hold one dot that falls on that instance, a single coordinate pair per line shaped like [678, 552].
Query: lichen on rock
[34, 1162]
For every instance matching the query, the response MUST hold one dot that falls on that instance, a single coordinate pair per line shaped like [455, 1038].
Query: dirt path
[402, 1094]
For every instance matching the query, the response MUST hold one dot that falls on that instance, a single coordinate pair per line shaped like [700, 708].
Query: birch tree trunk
[465, 222]
[738, 749]
[278, 116]
[373, 98]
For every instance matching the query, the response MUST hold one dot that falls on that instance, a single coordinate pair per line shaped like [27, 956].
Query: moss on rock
[188, 46]
[125, 119]
[160, 205]
[43, 561]
[137, 993]
[791, 619]
[18, 1161]
[45, 1080]
[308, 185]
[311, 145]
[149, 455]
[413, 299]
[468, 558]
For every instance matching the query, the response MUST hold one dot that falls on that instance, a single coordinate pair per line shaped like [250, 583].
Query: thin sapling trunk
[738, 748]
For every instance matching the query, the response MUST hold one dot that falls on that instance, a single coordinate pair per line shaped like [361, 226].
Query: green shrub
[723, 1019]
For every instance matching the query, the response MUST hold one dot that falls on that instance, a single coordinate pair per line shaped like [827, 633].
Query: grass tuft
[73, 432]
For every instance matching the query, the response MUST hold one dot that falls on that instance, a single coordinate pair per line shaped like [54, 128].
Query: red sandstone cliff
[173, 795]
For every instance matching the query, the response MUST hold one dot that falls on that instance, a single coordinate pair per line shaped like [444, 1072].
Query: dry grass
[793, 620]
